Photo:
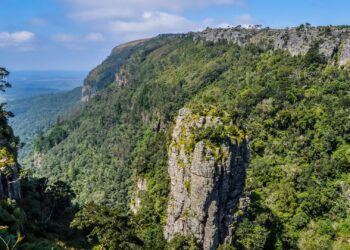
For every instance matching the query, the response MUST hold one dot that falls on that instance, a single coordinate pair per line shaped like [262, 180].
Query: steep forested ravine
[33, 213]
[222, 139]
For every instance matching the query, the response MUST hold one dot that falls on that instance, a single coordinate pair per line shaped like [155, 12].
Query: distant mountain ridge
[39, 113]
[105, 73]
[33, 83]
[330, 40]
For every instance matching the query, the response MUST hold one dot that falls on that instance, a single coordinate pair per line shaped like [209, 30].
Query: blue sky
[79, 34]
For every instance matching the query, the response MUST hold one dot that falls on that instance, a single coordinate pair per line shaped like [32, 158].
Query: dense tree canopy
[294, 109]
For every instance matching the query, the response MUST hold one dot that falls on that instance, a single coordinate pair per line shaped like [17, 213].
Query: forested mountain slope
[289, 103]
[37, 114]
[105, 73]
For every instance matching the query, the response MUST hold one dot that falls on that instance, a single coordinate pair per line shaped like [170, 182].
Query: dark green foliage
[226, 247]
[313, 57]
[42, 217]
[7, 137]
[218, 134]
[152, 214]
[342, 26]
[109, 228]
[256, 226]
[304, 26]
[8, 145]
[150, 152]
[46, 212]
[3, 83]
[55, 136]
[180, 242]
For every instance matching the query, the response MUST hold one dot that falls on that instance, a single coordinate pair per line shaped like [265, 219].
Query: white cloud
[244, 20]
[70, 38]
[64, 38]
[8, 39]
[134, 19]
[101, 14]
[85, 10]
[94, 37]
[38, 22]
[152, 22]
[78, 42]
[26, 48]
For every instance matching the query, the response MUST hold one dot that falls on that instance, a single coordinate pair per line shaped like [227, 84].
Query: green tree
[181, 242]
[109, 228]
[3, 83]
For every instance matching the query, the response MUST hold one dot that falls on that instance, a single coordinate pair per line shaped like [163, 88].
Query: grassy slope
[295, 110]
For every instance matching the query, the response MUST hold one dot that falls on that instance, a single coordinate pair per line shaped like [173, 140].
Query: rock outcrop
[295, 40]
[10, 184]
[141, 186]
[9, 174]
[121, 78]
[206, 182]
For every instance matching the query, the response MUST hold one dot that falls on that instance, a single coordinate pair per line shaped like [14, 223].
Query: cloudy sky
[79, 34]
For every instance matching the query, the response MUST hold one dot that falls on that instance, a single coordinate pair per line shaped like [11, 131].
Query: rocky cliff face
[297, 41]
[10, 183]
[333, 43]
[9, 173]
[206, 182]
[106, 72]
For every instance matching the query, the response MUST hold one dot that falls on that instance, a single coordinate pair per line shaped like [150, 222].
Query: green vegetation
[180, 242]
[104, 74]
[40, 219]
[218, 128]
[107, 228]
[37, 114]
[295, 111]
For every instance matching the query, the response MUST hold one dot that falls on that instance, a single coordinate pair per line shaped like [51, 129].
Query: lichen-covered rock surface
[297, 41]
[207, 181]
